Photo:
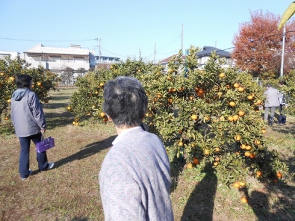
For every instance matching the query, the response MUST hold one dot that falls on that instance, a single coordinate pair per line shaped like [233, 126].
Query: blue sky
[127, 28]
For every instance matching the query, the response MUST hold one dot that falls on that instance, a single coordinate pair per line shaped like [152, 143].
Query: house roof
[166, 60]
[51, 50]
[207, 50]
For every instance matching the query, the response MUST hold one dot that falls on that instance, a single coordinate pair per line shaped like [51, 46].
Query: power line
[19, 39]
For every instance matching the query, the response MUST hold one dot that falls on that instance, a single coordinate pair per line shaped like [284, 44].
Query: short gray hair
[125, 101]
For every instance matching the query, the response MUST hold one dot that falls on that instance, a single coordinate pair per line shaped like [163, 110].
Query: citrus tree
[87, 101]
[43, 81]
[204, 117]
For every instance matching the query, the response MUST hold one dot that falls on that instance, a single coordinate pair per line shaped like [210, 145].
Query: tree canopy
[258, 45]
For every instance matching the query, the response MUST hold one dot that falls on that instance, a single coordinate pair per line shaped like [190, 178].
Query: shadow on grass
[87, 151]
[282, 209]
[78, 219]
[288, 128]
[58, 119]
[201, 201]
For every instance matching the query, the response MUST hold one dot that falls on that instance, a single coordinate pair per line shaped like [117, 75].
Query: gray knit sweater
[135, 179]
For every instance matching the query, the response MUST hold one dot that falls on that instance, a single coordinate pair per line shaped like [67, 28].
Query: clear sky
[127, 28]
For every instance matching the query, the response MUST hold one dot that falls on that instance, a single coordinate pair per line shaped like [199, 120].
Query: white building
[204, 56]
[57, 59]
[13, 55]
[106, 60]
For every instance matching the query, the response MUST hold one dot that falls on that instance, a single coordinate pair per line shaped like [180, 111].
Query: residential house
[105, 61]
[12, 55]
[204, 56]
[57, 59]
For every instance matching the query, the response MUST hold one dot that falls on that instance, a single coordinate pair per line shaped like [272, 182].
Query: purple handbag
[45, 144]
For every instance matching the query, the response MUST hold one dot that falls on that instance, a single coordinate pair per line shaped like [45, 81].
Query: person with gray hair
[271, 103]
[135, 174]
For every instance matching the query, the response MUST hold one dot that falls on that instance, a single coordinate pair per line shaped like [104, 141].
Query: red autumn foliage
[258, 45]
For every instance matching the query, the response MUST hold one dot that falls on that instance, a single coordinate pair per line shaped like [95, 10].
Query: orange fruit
[221, 75]
[242, 184]
[170, 100]
[263, 131]
[236, 184]
[194, 117]
[217, 149]
[206, 152]
[6, 118]
[101, 84]
[219, 94]
[243, 147]
[244, 199]
[180, 143]
[236, 85]
[250, 97]
[258, 102]
[241, 89]
[217, 159]
[248, 147]
[257, 142]
[230, 118]
[258, 173]
[241, 113]
[232, 104]
[279, 175]
[237, 137]
[102, 114]
[189, 166]
[215, 163]
[247, 153]
[195, 161]
[235, 117]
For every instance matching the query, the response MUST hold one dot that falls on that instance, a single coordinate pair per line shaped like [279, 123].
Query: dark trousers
[24, 157]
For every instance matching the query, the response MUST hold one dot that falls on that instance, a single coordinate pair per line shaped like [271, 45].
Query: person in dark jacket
[29, 123]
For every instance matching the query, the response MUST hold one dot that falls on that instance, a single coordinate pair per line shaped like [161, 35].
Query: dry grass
[71, 192]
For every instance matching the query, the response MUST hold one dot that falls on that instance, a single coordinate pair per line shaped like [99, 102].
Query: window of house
[79, 59]
[54, 58]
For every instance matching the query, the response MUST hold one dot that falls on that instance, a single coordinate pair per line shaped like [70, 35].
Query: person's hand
[43, 130]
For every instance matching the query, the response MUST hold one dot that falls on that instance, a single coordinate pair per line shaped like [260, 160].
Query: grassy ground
[71, 192]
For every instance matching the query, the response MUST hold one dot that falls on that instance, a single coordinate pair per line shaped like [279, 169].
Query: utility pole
[99, 51]
[155, 54]
[283, 52]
